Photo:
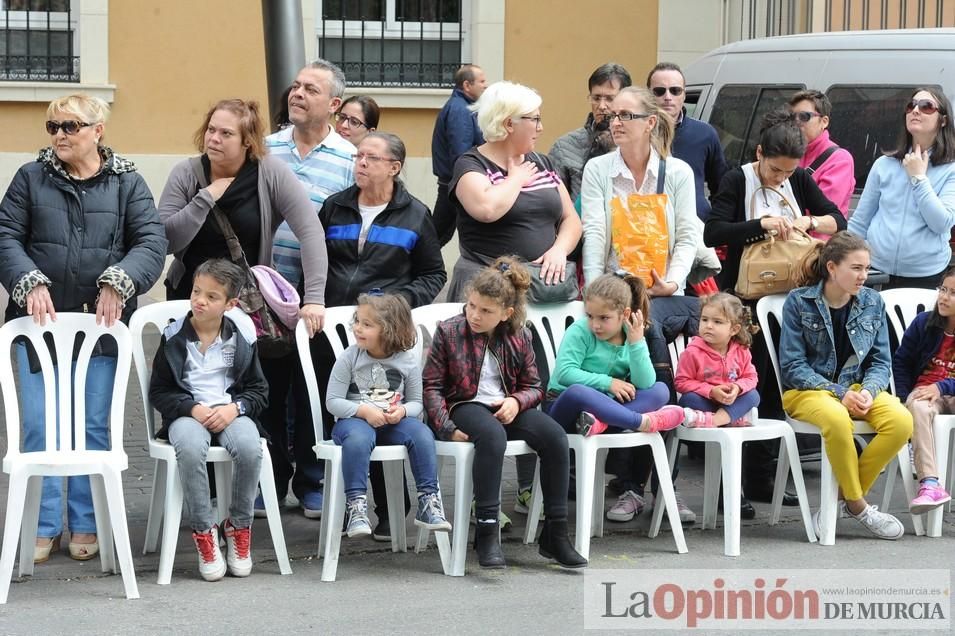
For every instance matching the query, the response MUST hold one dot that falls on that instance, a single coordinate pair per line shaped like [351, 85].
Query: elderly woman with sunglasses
[356, 117]
[907, 208]
[78, 233]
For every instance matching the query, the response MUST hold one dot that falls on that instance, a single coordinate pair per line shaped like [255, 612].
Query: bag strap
[661, 175]
[821, 159]
[752, 199]
[231, 240]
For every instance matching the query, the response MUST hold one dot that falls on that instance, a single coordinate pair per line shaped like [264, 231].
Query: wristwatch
[917, 179]
[813, 223]
[240, 407]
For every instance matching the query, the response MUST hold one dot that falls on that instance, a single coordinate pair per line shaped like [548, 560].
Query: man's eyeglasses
[361, 156]
[627, 116]
[925, 106]
[536, 119]
[70, 126]
[945, 291]
[660, 91]
[354, 122]
[805, 116]
[601, 99]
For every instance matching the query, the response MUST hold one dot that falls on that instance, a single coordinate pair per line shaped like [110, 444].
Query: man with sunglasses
[571, 151]
[694, 141]
[831, 167]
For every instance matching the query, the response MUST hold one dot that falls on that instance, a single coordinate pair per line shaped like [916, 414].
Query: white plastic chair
[338, 331]
[903, 305]
[426, 319]
[828, 500]
[590, 453]
[165, 504]
[66, 453]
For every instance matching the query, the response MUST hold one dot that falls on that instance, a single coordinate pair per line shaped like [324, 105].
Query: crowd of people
[623, 213]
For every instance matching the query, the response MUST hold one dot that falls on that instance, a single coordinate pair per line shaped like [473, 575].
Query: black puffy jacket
[73, 231]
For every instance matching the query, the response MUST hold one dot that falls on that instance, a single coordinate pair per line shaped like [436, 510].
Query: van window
[692, 102]
[737, 113]
[865, 121]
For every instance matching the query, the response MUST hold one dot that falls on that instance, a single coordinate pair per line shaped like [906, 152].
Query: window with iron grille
[37, 41]
[393, 43]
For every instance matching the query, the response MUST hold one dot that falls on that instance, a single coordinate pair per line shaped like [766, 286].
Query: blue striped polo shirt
[328, 168]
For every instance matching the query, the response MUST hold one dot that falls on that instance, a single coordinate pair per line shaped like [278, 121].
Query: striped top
[328, 168]
[528, 229]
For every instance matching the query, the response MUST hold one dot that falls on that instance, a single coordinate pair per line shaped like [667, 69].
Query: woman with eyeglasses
[356, 117]
[510, 199]
[78, 233]
[907, 208]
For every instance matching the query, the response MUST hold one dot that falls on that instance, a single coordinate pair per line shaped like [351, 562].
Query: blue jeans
[358, 439]
[745, 402]
[627, 415]
[99, 392]
[191, 441]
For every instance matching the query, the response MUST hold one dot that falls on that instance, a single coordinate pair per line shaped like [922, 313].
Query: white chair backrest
[159, 315]
[550, 322]
[903, 305]
[766, 307]
[426, 319]
[337, 330]
[58, 390]
[677, 347]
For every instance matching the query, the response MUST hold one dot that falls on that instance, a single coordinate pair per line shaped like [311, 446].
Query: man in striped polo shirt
[324, 162]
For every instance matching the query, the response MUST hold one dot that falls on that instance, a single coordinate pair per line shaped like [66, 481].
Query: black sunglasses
[660, 91]
[70, 126]
[805, 116]
[925, 106]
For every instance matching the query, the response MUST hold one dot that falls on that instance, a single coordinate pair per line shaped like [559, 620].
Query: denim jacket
[807, 351]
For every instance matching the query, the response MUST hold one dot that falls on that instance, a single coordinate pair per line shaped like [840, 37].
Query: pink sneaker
[665, 419]
[588, 425]
[740, 422]
[929, 498]
[698, 419]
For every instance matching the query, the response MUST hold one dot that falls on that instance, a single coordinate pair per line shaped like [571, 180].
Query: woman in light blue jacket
[907, 208]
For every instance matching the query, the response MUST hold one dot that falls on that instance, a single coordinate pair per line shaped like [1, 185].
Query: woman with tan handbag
[771, 197]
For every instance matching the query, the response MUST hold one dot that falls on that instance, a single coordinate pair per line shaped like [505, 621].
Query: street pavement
[378, 592]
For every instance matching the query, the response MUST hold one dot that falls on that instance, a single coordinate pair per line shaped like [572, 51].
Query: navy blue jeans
[745, 402]
[626, 415]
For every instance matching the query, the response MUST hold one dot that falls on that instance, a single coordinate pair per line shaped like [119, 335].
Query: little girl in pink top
[716, 374]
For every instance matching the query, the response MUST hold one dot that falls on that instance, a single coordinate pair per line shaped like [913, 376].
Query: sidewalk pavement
[381, 592]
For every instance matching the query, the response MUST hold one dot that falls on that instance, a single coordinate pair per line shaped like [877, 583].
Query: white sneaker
[687, 516]
[841, 513]
[628, 506]
[881, 524]
[238, 543]
[211, 563]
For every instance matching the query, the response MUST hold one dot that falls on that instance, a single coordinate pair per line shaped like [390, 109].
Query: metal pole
[284, 46]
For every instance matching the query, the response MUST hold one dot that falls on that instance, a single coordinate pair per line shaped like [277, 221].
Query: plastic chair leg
[535, 507]
[16, 498]
[711, 484]
[463, 493]
[943, 439]
[828, 503]
[223, 473]
[326, 510]
[172, 518]
[789, 460]
[890, 474]
[104, 535]
[731, 461]
[903, 464]
[156, 502]
[394, 483]
[30, 515]
[113, 489]
[666, 492]
[271, 500]
[333, 518]
[600, 492]
[585, 461]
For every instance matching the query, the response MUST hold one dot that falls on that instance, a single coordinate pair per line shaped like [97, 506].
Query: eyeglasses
[805, 116]
[354, 122]
[627, 116]
[660, 91]
[601, 99]
[70, 126]
[361, 156]
[536, 119]
[945, 291]
[925, 106]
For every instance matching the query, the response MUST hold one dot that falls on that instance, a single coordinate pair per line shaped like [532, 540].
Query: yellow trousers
[891, 421]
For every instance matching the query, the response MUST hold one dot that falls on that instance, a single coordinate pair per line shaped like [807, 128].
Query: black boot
[555, 544]
[487, 544]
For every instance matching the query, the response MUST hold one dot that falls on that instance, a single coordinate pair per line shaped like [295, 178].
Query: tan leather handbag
[769, 266]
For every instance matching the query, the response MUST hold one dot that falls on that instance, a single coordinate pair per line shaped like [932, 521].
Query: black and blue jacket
[401, 253]
[921, 341]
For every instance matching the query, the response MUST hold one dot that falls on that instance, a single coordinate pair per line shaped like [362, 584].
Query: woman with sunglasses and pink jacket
[907, 208]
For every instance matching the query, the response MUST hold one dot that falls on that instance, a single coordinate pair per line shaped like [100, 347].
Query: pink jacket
[836, 177]
[701, 368]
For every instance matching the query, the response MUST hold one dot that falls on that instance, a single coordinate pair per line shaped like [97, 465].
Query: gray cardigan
[184, 206]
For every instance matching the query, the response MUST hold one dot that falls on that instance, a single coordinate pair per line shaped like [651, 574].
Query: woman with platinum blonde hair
[510, 199]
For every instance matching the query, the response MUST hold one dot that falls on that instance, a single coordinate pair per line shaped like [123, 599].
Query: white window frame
[89, 20]
[449, 31]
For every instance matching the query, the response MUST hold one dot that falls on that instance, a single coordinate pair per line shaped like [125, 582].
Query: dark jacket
[401, 253]
[168, 392]
[455, 132]
[921, 341]
[453, 370]
[74, 235]
[698, 144]
[728, 226]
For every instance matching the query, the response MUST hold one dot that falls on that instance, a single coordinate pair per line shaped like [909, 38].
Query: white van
[867, 75]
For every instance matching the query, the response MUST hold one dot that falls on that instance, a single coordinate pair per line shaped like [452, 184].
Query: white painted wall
[686, 30]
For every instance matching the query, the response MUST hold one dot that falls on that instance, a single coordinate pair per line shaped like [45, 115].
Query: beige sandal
[41, 553]
[83, 551]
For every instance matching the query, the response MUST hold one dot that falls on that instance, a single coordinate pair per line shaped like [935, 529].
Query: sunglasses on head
[70, 126]
[805, 116]
[660, 91]
[925, 106]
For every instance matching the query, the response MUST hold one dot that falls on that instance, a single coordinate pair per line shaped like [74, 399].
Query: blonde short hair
[500, 102]
[92, 110]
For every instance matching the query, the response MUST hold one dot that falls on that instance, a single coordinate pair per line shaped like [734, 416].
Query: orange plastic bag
[639, 234]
